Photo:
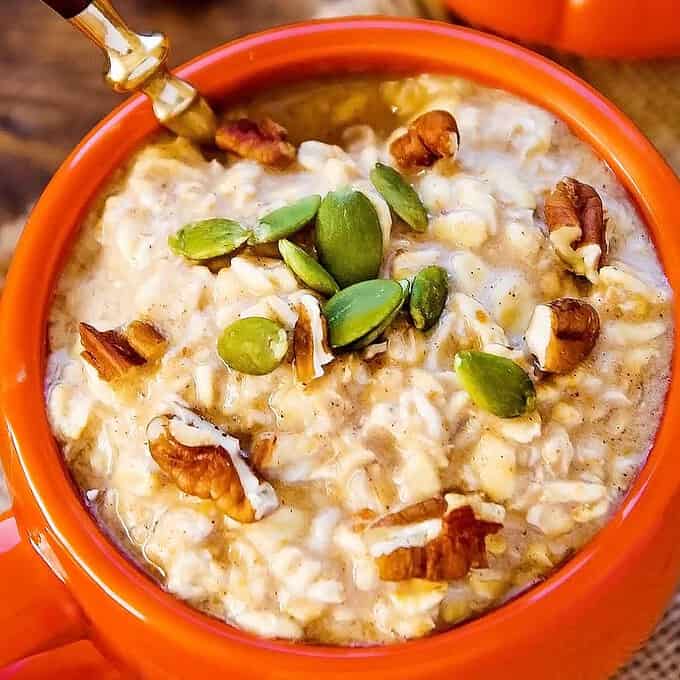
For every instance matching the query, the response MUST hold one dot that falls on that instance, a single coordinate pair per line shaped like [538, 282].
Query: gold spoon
[137, 62]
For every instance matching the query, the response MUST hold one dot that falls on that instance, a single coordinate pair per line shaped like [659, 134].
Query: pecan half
[562, 333]
[575, 217]
[114, 353]
[264, 141]
[203, 461]
[310, 340]
[459, 547]
[429, 137]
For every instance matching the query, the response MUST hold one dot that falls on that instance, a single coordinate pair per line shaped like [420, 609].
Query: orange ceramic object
[61, 579]
[593, 28]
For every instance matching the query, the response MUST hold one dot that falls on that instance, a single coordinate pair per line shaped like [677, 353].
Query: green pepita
[400, 196]
[406, 286]
[356, 311]
[285, 221]
[348, 237]
[307, 269]
[428, 296]
[208, 238]
[380, 329]
[495, 384]
[253, 345]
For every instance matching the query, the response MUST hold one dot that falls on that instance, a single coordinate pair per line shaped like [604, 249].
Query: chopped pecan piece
[262, 449]
[146, 340]
[310, 340]
[363, 518]
[429, 509]
[113, 353]
[429, 137]
[575, 218]
[264, 141]
[459, 547]
[270, 250]
[205, 462]
[108, 351]
[562, 333]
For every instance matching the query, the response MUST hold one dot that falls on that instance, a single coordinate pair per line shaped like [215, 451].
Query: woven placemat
[649, 92]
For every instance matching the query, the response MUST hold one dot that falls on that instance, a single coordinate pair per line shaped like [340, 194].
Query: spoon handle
[68, 8]
[137, 62]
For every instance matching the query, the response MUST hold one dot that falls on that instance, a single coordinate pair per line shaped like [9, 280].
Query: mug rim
[328, 46]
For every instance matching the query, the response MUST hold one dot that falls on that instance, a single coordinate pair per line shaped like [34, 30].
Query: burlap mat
[649, 92]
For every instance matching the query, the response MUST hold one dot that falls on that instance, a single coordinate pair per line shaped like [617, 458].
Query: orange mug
[593, 28]
[62, 580]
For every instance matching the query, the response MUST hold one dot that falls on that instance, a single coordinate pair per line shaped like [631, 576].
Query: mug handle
[79, 660]
[37, 611]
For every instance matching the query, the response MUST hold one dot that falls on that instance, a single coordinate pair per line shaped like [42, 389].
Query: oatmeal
[385, 360]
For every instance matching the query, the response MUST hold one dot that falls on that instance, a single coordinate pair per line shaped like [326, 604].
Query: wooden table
[51, 91]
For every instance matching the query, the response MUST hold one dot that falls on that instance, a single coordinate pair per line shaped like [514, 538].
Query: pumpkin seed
[495, 384]
[428, 296]
[406, 286]
[377, 332]
[285, 221]
[348, 237]
[253, 345]
[400, 196]
[307, 269]
[208, 238]
[356, 311]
